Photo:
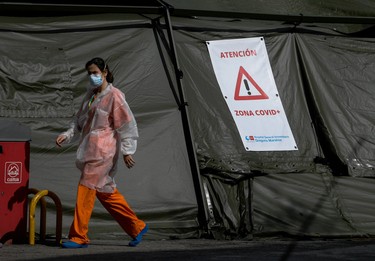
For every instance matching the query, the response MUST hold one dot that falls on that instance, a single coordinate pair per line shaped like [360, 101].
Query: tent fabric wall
[302, 8]
[313, 204]
[306, 7]
[324, 80]
[340, 75]
[42, 83]
[326, 85]
[216, 136]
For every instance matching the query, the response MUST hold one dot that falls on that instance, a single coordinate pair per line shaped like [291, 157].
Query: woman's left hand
[129, 161]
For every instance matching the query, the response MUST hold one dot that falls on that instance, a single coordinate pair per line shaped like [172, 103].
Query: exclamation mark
[247, 86]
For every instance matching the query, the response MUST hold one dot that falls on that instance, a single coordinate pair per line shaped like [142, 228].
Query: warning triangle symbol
[242, 72]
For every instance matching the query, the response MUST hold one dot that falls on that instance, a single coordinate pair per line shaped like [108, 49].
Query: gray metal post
[202, 206]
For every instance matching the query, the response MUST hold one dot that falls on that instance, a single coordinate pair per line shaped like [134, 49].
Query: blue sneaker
[138, 238]
[71, 244]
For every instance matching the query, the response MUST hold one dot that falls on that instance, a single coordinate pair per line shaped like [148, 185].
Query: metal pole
[39, 196]
[202, 213]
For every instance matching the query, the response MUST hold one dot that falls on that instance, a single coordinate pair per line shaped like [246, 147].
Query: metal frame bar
[202, 213]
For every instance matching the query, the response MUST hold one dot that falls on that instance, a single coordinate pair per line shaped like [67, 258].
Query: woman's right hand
[60, 139]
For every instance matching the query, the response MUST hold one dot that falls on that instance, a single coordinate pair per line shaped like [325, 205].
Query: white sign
[244, 74]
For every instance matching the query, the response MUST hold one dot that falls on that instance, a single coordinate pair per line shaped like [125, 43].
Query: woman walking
[107, 128]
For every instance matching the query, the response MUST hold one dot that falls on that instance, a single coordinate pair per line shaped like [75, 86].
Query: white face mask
[96, 80]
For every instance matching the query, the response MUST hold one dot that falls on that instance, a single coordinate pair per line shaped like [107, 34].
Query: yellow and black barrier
[39, 196]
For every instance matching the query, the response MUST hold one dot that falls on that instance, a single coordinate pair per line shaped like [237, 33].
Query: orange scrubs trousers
[114, 203]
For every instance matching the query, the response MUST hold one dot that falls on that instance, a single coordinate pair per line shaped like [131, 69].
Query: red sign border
[261, 96]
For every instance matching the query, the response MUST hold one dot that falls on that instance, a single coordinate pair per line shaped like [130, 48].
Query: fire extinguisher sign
[13, 172]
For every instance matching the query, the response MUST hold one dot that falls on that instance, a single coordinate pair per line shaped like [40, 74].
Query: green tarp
[326, 84]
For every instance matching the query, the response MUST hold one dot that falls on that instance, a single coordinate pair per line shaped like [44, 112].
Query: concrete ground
[201, 249]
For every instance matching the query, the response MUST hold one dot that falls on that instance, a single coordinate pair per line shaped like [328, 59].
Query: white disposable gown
[107, 126]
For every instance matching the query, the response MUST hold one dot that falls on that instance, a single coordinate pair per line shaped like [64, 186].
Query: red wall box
[14, 181]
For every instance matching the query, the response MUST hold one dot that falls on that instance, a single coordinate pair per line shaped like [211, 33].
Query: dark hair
[102, 65]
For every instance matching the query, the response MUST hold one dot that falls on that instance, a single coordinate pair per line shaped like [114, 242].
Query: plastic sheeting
[325, 84]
